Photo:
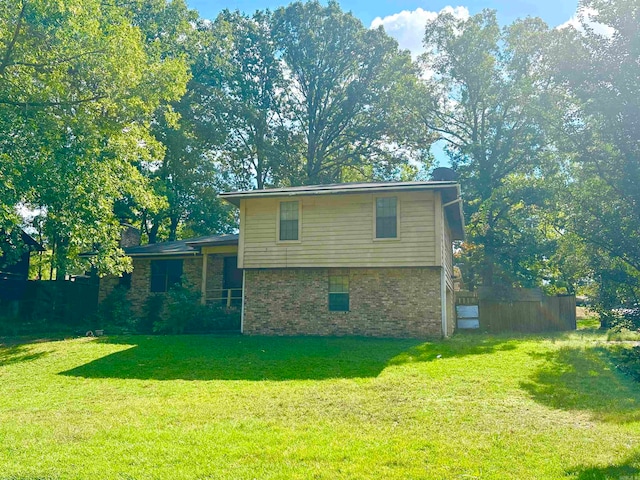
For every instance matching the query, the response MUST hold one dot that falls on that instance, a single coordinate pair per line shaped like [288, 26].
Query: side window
[339, 293]
[387, 217]
[289, 220]
[165, 274]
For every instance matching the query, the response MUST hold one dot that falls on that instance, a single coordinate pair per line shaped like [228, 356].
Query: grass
[206, 407]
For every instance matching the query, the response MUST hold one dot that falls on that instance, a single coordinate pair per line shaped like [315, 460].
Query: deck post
[203, 284]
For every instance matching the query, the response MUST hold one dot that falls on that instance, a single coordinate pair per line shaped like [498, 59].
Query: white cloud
[407, 27]
[587, 16]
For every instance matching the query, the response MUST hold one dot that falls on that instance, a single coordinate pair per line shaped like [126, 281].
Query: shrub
[621, 319]
[153, 313]
[183, 313]
[627, 360]
[182, 310]
[114, 312]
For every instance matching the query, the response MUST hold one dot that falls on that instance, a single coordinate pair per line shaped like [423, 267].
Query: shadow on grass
[201, 357]
[17, 354]
[628, 469]
[583, 379]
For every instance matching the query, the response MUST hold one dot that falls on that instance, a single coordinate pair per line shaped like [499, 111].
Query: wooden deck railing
[224, 296]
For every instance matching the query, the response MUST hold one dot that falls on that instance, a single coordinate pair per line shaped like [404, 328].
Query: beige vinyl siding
[338, 231]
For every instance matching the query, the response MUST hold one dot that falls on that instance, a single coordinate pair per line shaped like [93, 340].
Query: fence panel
[62, 302]
[522, 310]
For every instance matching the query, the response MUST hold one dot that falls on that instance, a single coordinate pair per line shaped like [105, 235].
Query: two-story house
[371, 259]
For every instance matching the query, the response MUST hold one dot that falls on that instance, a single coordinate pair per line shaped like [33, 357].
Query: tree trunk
[153, 232]
[173, 228]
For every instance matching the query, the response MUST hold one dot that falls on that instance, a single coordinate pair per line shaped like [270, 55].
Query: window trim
[344, 273]
[299, 240]
[375, 218]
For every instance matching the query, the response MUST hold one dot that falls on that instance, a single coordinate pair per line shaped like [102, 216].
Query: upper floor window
[165, 274]
[387, 217]
[289, 218]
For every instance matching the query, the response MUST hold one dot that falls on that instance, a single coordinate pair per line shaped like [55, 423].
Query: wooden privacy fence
[523, 310]
[66, 302]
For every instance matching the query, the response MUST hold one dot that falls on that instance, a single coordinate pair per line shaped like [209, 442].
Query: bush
[621, 319]
[153, 314]
[114, 312]
[183, 313]
[627, 360]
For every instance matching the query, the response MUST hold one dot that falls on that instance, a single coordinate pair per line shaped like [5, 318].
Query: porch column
[203, 284]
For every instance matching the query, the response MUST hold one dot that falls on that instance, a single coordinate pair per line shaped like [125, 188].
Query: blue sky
[554, 12]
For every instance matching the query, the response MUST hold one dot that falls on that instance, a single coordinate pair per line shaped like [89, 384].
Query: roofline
[235, 197]
[203, 243]
[195, 253]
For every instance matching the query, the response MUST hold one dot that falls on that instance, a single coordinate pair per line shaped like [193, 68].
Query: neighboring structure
[13, 277]
[371, 259]
[209, 264]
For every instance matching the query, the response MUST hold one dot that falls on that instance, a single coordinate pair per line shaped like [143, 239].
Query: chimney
[130, 236]
[443, 174]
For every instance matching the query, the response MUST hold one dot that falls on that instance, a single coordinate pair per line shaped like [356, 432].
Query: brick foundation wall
[384, 302]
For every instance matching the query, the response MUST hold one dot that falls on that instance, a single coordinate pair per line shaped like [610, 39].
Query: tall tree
[349, 91]
[190, 174]
[599, 67]
[77, 90]
[246, 101]
[490, 103]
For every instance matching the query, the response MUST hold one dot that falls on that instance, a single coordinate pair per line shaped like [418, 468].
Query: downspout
[443, 301]
[242, 308]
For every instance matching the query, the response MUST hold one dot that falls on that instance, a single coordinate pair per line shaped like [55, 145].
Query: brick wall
[384, 302]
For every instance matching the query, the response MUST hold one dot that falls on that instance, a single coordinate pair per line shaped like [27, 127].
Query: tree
[349, 94]
[77, 90]
[246, 102]
[599, 69]
[491, 104]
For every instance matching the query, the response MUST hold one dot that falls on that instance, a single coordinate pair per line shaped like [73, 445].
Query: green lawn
[199, 407]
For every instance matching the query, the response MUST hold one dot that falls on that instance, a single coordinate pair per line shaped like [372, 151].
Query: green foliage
[601, 135]
[627, 360]
[183, 313]
[77, 90]
[152, 313]
[114, 312]
[350, 92]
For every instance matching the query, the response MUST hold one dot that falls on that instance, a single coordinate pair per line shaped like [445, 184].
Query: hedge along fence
[525, 310]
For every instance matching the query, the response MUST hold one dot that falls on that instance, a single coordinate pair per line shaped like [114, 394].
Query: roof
[33, 244]
[334, 188]
[189, 246]
[450, 194]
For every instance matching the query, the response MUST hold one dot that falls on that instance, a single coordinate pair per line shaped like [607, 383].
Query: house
[14, 276]
[371, 259]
